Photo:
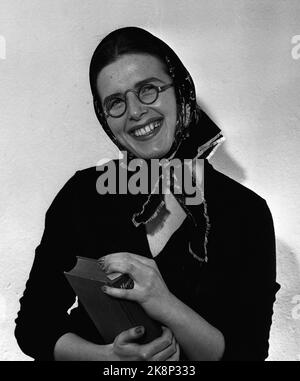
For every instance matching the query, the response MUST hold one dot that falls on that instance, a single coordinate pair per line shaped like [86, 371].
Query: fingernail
[139, 330]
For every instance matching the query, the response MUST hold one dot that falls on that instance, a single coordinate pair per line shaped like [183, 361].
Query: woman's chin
[151, 152]
[152, 149]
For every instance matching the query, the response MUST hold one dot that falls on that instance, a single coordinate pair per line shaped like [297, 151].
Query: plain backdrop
[240, 55]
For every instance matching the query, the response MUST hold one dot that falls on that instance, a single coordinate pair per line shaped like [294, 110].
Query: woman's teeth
[147, 129]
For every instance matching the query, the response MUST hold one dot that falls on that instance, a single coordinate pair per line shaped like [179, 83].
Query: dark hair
[134, 40]
[129, 40]
[123, 41]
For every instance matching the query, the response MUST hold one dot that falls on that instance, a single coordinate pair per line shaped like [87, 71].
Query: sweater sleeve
[43, 316]
[248, 320]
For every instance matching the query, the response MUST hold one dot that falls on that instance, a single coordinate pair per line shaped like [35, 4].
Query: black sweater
[234, 291]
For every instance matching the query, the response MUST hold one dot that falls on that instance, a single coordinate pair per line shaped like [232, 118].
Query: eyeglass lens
[147, 94]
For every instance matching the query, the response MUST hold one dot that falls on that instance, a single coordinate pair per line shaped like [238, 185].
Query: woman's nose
[135, 108]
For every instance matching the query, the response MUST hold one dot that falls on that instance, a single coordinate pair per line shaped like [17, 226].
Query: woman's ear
[98, 109]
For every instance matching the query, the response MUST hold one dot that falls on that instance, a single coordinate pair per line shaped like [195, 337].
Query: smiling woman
[205, 271]
[145, 129]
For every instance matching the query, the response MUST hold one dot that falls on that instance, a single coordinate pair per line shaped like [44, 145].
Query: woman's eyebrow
[147, 80]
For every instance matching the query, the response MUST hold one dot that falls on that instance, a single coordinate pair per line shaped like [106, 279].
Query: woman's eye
[148, 94]
[147, 89]
[114, 103]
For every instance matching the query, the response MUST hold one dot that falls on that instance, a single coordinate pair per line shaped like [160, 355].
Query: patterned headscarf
[196, 136]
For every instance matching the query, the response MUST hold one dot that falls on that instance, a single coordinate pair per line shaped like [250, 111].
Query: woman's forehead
[127, 71]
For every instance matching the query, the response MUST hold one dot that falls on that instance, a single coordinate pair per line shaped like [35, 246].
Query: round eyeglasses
[116, 105]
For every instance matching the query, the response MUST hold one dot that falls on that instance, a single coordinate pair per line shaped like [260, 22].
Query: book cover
[110, 315]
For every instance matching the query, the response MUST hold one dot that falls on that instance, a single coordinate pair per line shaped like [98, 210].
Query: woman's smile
[146, 130]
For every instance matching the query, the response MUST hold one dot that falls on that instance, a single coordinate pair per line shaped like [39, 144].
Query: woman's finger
[142, 259]
[130, 335]
[126, 256]
[123, 267]
[176, 355]
[166, 353]
[160, 349]
[158, 345]
[122, 293]
[136, 269]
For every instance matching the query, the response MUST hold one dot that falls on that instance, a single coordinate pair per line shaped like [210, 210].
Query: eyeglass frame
[160, 89]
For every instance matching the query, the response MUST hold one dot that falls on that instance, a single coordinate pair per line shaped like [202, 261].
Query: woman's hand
[149, 290]
[164, 348]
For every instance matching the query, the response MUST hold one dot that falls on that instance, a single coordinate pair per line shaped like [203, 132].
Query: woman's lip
[152, 120]
[148, 136]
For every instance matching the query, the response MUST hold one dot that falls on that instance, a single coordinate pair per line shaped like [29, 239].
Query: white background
[239, 53]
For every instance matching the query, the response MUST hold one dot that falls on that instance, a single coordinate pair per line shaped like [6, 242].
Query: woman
[206, 272]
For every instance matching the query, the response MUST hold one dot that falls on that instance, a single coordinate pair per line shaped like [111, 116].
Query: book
[110, 315]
